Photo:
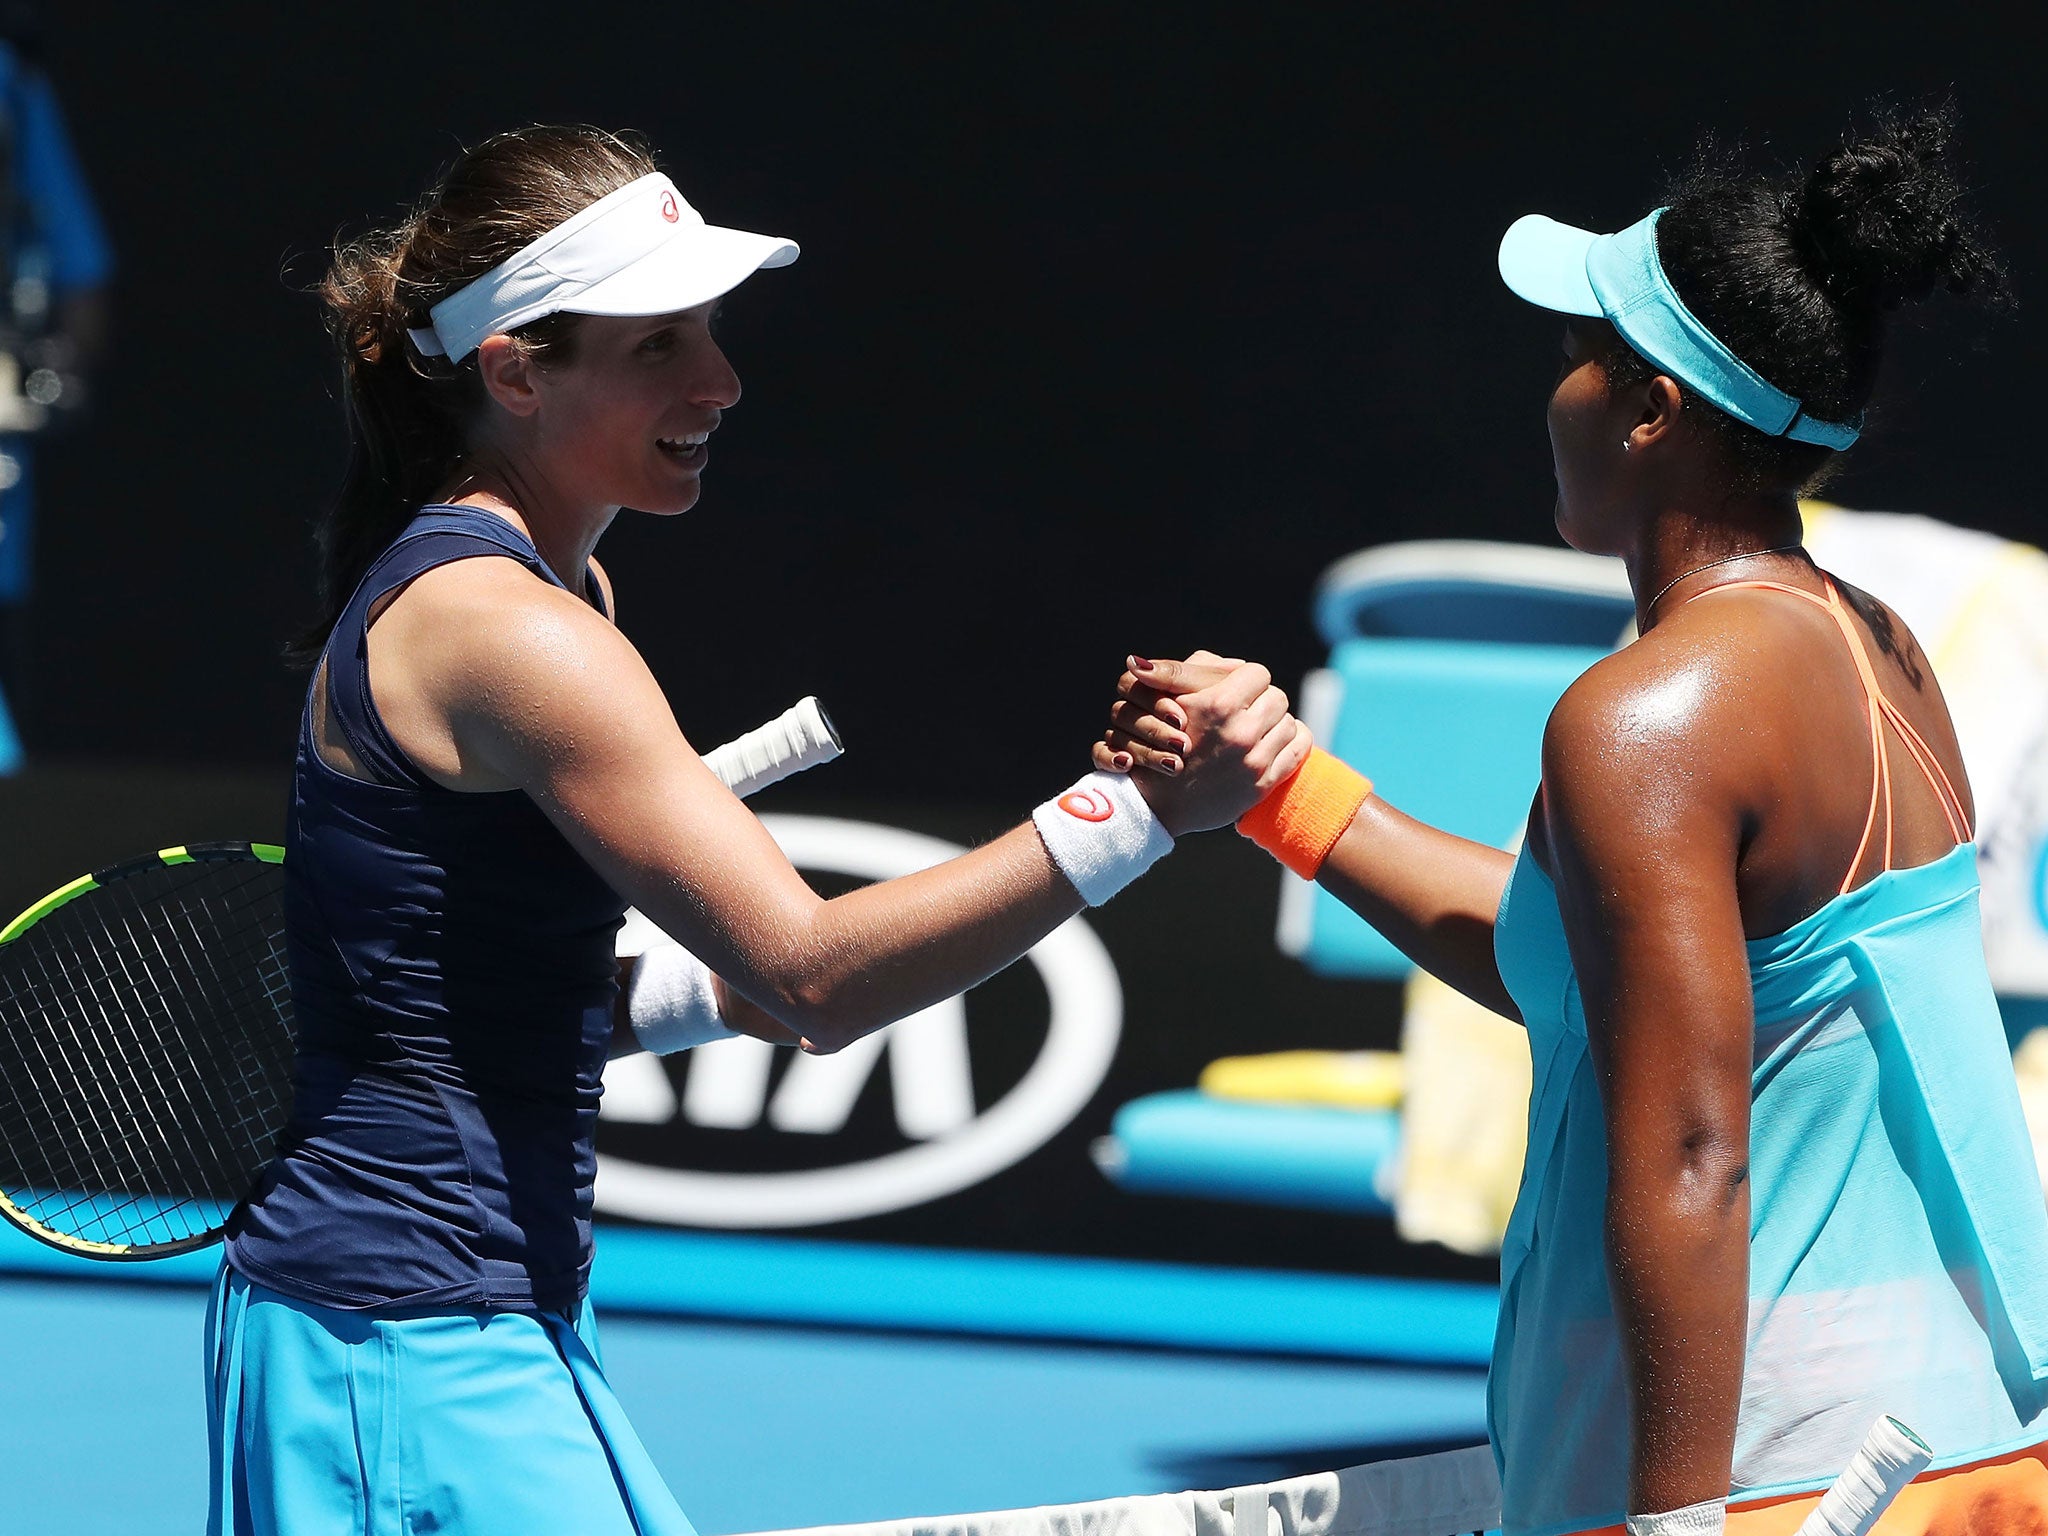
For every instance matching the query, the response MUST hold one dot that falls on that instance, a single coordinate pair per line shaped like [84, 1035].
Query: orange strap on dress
[1880, 709]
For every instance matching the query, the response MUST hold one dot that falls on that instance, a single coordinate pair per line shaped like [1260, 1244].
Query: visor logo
[963, 1102]
[1087, 805]
[668, 207]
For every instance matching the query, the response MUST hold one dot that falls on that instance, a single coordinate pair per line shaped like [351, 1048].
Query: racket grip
[800, 737]
[1891, 1457]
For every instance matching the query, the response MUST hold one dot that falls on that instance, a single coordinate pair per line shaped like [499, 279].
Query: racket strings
[149, 1157]
[141, 1159]
[158, 1157]
[218, 1043]
[145, 1053]
[104, 1159]
[89, 1113]
[193, 954]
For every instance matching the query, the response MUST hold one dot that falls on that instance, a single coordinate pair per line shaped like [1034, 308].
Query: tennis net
[1453, 1493]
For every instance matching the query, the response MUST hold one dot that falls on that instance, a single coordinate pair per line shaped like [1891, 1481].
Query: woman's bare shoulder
[1689, 711]
[493, 628]
[1728, 655]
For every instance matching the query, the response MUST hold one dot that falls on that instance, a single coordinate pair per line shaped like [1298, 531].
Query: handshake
[1205, 739]
[1205, 742]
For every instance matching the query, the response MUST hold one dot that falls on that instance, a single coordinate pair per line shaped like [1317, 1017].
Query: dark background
[1114, 325]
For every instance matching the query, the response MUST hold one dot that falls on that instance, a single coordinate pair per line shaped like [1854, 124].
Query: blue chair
[1305, 1156]
[1446, 658]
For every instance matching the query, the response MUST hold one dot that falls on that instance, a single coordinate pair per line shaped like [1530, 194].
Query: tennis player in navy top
[486, 775]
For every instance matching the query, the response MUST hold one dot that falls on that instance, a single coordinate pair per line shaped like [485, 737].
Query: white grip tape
[1891, 1457]
[1102, 835]
[671, 1005]
[1708, 1519]
[798, 738]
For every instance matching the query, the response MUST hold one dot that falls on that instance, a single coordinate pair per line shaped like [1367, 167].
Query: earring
[1627, 443]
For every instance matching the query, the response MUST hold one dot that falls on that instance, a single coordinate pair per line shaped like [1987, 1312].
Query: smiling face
[1588, 423]
[625, 422]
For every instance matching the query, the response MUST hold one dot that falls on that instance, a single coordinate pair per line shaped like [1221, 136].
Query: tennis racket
[1891, 1457]
[146, 1031]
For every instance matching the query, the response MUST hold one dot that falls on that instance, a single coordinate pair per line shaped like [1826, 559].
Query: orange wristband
[1300, 821]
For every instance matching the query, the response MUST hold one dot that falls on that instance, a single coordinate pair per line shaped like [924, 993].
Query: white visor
[640, 250]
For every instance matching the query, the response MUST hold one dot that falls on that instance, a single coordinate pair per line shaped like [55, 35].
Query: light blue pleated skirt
[323, 1422]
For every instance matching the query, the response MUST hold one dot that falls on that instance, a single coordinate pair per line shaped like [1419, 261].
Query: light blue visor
[1576, 272]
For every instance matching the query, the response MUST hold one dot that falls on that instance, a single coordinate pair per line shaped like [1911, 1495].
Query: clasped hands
[1211, 734]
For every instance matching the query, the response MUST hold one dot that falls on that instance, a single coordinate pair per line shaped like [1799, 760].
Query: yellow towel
[1348, 1079]
[1464, 1122]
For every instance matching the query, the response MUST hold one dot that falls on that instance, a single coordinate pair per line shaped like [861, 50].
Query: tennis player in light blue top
[1778, 1183]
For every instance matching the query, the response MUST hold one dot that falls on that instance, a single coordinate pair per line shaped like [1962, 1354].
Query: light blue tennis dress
[1898, 1240]
[473, 1420]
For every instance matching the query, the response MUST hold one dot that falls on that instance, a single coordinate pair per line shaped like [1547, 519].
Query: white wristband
[1708, 1519]
[1102, 835]
[671, 1005]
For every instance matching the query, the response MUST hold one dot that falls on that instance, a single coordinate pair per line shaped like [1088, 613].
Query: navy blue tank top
[452, 972]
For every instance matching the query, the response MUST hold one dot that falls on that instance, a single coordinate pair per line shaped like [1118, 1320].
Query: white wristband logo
[1087, 804]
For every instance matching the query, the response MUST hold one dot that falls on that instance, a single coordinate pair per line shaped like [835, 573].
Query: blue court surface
[760, 1424]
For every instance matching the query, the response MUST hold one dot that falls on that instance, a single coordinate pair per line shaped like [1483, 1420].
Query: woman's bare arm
[1643, 827]
[1432, 894]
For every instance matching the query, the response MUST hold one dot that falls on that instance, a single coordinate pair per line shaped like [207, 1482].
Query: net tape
[1448, 1494]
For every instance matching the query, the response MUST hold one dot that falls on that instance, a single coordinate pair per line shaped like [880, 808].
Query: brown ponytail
[408, 414]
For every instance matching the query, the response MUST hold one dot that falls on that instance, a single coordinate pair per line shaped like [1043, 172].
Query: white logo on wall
[726, 1084]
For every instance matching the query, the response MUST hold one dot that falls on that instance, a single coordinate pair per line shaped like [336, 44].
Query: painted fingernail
[1169, 766]
[1121, 759]
[1139, 663]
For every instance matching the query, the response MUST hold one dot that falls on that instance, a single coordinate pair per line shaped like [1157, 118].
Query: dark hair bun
[1797, 272]
[1879, 220]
